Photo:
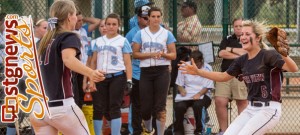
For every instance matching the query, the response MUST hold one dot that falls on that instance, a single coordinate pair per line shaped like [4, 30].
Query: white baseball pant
[68, 119]
[255, 120]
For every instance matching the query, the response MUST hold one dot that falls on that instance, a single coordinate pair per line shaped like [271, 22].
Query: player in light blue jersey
[111, 53]
[155, 47]
[135, 117]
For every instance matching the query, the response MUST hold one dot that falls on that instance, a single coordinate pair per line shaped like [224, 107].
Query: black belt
[55, 103]
[259, 103]
[155, 68]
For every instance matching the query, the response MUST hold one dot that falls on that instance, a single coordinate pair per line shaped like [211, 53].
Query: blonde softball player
[59, 51]
[112, 55]
[155, 48]
[261, 71]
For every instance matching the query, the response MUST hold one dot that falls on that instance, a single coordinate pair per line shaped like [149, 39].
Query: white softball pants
[68, 119]
[255, 120]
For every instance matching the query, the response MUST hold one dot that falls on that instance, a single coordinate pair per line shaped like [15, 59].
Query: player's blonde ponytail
[61, 10]
[259, 29]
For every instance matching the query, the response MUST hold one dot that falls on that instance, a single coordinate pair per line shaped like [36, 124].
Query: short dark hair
[197, 56]
[154, 9]
[235, 19]
[114, 16]
[183, 53]
[191, 4]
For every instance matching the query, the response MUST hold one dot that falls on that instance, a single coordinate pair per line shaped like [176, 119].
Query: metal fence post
[98, 13]
[298, 21]
[126, 16]
[175, 18]
[249, 9]
[225, 17]
[49, 3]
[287, 14]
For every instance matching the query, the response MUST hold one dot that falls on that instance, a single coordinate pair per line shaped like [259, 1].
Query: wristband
[231, 50]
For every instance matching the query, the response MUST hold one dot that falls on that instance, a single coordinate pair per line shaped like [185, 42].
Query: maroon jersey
[57, 78]
[261, 74]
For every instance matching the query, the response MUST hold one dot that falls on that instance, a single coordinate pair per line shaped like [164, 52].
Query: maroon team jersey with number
[57, 78]
[261, 74]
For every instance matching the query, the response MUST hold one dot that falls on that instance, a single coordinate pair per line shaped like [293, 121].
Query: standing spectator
[40, 29]
[85, 51]
[230, 49]
[135, 122]
[111, 53]
[194, 91]
[189, 30]
[155, 47]
[137, 5]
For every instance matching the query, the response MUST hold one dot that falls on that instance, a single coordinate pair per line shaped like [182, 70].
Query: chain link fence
[215, 17]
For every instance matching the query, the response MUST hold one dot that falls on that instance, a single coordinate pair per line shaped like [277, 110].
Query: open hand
[188, 68]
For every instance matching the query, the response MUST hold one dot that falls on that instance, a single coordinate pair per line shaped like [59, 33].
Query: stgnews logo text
[21, 62]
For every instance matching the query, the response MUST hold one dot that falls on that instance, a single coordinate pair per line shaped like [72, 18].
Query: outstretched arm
[69, 59]
[193, 70]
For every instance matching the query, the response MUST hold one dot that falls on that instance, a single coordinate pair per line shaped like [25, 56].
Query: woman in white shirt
[194, 91]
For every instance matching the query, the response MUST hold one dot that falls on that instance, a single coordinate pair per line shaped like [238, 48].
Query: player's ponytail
[45, 41]
[59, 12]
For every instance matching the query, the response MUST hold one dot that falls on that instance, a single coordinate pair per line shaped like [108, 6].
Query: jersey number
[114, 60]
[264, 92]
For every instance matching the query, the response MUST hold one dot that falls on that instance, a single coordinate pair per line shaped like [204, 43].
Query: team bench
[291, 87]
[288, 75]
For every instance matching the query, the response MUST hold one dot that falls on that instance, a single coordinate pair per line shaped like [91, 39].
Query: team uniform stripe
[275, 84]
[67, 83]
[266, 122]
[79, 120]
